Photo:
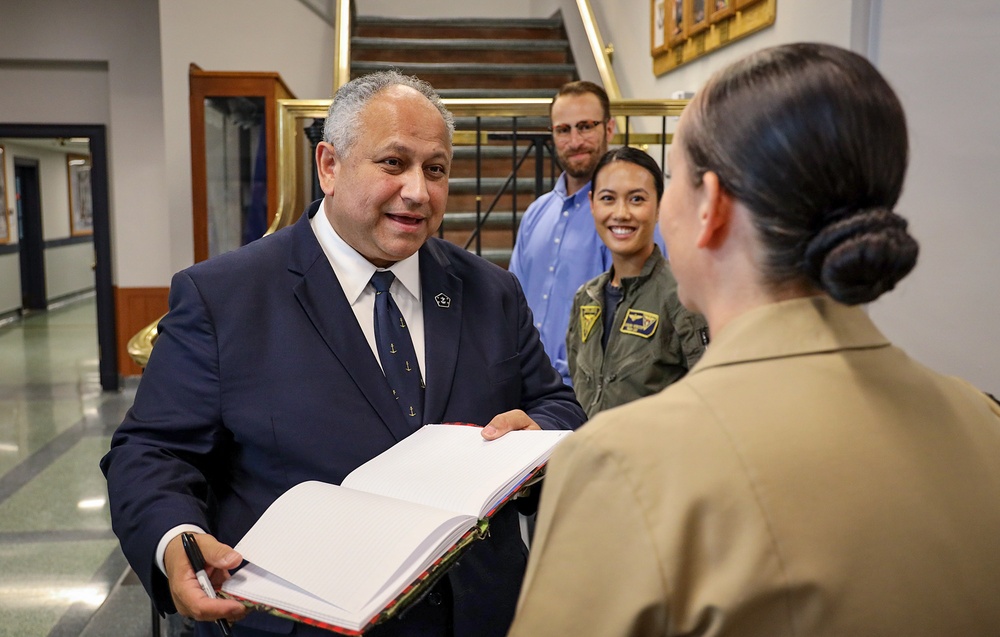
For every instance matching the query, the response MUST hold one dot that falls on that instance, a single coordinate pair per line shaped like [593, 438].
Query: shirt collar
[353, 270]
[802, 326]
[560, 189]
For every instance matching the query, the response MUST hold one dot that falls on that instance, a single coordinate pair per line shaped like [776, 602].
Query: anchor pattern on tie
[396, 353]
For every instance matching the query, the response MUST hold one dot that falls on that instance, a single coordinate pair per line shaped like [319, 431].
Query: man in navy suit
[266, 373]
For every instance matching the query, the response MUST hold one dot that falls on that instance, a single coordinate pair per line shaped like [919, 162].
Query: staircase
[477, 58]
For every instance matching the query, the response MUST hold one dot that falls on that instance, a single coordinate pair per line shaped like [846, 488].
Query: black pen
[198, 564]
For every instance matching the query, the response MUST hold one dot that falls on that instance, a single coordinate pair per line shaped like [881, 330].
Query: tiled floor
[59, 560]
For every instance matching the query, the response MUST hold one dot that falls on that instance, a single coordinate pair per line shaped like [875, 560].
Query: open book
[350, 556]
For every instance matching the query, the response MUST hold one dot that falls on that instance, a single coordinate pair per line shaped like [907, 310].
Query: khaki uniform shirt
[805, 478]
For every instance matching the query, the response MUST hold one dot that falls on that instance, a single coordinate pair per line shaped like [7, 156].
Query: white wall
[62, 39]
[230, 35]
[8, 201]
[53, 185]
[68, 269]
[54, 92]
[10, 268]
[626, 25]
[943, 63]
[583, 55]
[10, 283]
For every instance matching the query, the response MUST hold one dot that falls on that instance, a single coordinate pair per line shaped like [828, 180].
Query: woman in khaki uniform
[806, 477]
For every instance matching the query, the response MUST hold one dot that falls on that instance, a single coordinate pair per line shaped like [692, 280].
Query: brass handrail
[602, 53]
[140, 346]
[342, 44]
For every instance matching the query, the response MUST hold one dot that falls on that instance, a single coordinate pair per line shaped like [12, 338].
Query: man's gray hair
[341, 127]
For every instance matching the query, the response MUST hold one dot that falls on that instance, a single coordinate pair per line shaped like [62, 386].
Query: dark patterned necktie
[395, 350]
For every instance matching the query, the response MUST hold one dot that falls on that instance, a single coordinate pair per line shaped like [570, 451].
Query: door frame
[103, 277]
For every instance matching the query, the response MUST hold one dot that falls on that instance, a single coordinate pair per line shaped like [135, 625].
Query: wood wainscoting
[135, 308]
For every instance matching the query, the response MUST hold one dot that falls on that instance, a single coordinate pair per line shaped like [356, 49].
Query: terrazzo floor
[61, 571]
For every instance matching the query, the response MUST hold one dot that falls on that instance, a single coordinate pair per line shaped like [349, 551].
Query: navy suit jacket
[261, 379]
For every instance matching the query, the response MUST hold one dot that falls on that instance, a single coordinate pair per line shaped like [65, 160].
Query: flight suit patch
[589, 314]
[639, 323]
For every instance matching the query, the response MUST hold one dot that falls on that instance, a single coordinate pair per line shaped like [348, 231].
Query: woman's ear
[714, 211]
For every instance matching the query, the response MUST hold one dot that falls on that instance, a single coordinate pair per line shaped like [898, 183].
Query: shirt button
[565, 213]
[557, 239]
[538, 325]
[552, 268]
[545, 296]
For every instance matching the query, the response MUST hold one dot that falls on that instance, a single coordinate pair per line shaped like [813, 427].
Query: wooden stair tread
[495, 93]
[471, 44]
[461, 68]
[513, 23]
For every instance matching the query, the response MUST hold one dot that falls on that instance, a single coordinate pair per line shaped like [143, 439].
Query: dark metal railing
[539, 144]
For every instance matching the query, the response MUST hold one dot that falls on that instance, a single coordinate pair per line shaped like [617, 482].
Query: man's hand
[508, 421]
[190, 600]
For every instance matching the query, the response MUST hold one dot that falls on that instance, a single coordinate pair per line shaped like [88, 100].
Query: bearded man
[558, 248]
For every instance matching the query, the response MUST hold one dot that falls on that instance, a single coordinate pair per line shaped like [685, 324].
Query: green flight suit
[654, 344]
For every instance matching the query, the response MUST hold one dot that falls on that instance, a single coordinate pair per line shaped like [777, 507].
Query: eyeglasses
[584, 127]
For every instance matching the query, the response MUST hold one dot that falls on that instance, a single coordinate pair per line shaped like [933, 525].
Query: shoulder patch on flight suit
[640, 323]
[588, 319]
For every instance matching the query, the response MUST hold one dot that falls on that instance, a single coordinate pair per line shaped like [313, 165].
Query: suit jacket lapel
[441, 294]
[323, 300]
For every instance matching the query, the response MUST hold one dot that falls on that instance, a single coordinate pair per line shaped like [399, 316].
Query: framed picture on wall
[658, 25]
[695, 28]
[697, 16]
[81, 203]
[675, 21]
[721, 9]
[4, 215]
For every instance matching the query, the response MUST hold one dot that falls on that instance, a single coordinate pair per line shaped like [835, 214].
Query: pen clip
[193, 552]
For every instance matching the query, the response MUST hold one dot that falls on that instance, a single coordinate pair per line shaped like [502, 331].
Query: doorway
[96, 136]
[31, 246]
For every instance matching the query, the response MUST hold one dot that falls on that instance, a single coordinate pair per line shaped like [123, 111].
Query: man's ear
[714, 211]
[327, 166]
[609, 131]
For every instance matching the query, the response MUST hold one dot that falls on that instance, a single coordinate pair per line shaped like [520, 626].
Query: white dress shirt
[355, 272]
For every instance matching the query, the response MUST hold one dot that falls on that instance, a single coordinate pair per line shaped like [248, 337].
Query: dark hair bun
[860, 256]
